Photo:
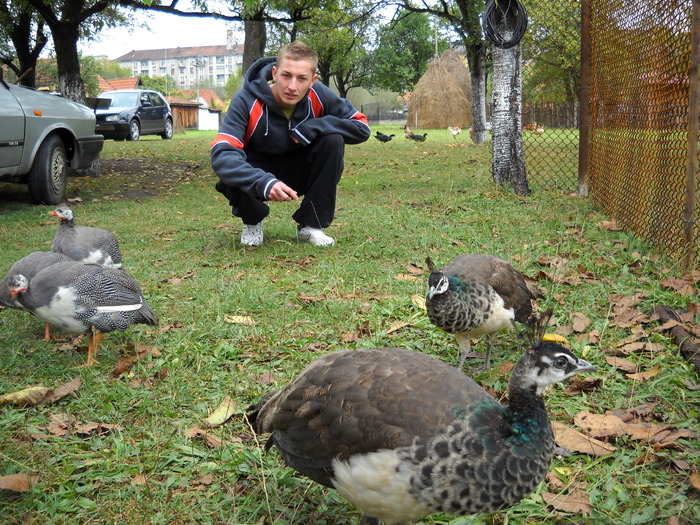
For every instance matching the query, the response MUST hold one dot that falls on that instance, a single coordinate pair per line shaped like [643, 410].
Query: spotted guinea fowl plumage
[85, 243]
[84, 298]
[477, 294]
[401, 434]
[29, 266]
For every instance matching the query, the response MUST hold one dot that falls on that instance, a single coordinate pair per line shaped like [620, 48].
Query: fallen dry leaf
[62, 391]
[577, 502]
[28, 396]
[600, 425]
[621, 364]
[139, 479]
[407, 277]
[18, 482]
[418, 301]
[397, 325]
[683, 287]
[210, 439]
[578, 384]
[644, 376]
[245, 320]
[124, 365]
[580, 322]
[576, 441]
[222, 414]
[695, 479]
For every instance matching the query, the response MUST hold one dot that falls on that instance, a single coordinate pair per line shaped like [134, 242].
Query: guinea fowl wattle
[476, 294]
[401, 435]
[84, 243]
[83, 298]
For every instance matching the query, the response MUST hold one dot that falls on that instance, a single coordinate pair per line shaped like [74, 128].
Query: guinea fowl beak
[14, 292]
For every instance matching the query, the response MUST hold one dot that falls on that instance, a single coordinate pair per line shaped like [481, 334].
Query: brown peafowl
[476, 294]
[401, 434]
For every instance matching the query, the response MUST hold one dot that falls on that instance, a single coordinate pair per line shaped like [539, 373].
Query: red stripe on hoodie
[254, 116]
[316, 104]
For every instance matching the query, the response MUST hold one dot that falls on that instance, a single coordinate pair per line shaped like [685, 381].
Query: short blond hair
[298, 50]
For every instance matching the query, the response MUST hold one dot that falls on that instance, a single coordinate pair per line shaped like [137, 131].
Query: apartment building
[189, 66]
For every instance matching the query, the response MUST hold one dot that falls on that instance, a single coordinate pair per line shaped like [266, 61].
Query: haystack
[442, 96]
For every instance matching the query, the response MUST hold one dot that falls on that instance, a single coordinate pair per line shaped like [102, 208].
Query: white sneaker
[314, 235]
[252, 234]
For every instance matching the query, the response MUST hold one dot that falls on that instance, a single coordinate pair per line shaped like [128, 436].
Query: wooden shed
[185, 113]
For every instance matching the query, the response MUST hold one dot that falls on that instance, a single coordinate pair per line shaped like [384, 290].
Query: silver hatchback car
[42, 137]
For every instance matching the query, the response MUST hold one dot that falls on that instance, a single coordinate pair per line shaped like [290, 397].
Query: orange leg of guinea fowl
[94, 341]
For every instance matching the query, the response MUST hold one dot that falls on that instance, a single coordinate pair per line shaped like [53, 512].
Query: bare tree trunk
[477, 69]
[254, 43]
[508, 159]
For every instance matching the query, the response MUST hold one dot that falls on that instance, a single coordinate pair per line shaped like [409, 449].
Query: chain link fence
[642, 146]
[551, 51]
[637, 113]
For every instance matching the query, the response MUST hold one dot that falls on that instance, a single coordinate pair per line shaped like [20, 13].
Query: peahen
[85, 243]
[401, 434]
[476, 294]
[83, 298]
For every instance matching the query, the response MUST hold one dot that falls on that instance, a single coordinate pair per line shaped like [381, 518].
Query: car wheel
[47, 178]
[134, 130]
[168, 131]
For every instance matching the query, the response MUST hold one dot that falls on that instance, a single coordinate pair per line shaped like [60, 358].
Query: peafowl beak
[585, 366]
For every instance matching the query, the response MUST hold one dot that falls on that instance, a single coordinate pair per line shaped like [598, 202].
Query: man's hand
[280, 192]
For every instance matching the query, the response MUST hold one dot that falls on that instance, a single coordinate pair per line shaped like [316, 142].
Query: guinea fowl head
[18, 284]
[62, 212]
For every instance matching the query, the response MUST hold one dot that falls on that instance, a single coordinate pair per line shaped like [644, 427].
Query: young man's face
[292, 80]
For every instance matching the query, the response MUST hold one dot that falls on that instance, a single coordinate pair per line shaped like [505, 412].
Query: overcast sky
[166, 31]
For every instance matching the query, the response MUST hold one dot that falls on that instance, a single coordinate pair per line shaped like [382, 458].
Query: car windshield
[121, 100]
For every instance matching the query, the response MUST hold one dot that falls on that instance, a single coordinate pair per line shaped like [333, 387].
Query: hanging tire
[168, 131]
[47, 178]
[134, 130]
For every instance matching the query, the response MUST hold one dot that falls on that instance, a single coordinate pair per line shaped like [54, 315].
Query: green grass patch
[397, 203]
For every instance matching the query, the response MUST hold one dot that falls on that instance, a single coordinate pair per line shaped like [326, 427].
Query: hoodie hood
[257, 80]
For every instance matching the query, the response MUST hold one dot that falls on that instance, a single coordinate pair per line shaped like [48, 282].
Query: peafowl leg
[487, 361]
[464, 349]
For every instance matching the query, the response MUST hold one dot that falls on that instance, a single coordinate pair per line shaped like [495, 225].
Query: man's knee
[330, 143]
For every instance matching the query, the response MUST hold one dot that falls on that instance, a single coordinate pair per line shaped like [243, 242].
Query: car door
[158, 112]
[11, 129]
[147, 112]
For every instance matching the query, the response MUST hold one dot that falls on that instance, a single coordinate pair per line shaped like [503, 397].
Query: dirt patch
[135, 178]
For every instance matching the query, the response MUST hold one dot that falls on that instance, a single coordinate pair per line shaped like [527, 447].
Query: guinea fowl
[381, 137]
[401, 434]
[85, 243]
[476, 294]
[29, 266]
[83, 298]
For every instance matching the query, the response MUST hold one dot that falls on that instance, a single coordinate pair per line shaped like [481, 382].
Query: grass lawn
[240, 321]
